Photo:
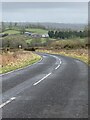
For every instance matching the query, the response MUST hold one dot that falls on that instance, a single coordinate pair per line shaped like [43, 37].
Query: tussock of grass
[15, 60]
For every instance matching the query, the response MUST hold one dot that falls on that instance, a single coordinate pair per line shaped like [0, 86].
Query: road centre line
[3, 104]
[60, 61]
[58, 65]
[42, 79]
[13, 98]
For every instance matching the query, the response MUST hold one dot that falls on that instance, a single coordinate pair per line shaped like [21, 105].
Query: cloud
[19, 5]
[45, 0]
[45, 12]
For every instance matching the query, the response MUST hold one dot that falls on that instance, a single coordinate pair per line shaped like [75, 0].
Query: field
[39, 31]
[38, 40]
[74, 47]
[33, 30]
[14, 60]
[12, 31]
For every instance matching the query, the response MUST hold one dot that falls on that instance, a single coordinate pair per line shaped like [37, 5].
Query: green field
[12, 31]
[35, 30]
[33, 40]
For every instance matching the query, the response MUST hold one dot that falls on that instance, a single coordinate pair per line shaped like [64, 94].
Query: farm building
[28, 33]
[35, 35]
[45, 36]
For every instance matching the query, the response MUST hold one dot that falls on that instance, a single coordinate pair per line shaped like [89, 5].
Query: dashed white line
[58, 65]
[11, 99]
[42, 79]
[60, 61]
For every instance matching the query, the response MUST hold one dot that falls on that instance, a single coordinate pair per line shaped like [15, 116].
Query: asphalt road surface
[55, 87]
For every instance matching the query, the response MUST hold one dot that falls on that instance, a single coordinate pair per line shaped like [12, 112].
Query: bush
[68, 44]
[30, 49]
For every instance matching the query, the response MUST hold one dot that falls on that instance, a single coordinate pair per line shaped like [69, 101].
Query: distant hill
[48, 25]
[59, 25]
[64, 26]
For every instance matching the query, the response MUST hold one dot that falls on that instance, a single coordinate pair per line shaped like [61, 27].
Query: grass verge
[81, 54]
[16, 60]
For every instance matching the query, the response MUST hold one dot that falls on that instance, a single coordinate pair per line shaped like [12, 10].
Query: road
[55, 87]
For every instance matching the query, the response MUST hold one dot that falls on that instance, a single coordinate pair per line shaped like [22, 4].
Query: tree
[51, 34]
[56, 34]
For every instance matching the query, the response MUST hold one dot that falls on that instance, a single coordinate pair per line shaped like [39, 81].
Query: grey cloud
[24, 5]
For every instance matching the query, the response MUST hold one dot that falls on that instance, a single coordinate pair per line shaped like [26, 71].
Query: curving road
[55, 87]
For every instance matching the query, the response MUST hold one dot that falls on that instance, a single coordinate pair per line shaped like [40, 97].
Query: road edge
[22, 67]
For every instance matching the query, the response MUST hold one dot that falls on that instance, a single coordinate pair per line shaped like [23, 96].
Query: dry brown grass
[11, 60]
[16, 57]
[81, 54]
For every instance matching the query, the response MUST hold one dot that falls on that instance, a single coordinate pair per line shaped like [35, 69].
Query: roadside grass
[81, 54]
[35, 30]
[76, 48]
[15, 60]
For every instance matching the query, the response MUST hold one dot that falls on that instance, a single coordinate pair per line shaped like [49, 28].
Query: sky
[45, 0]
[57, 12]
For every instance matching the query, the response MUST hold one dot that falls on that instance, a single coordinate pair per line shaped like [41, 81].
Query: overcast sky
[62, 12]
[45, 0]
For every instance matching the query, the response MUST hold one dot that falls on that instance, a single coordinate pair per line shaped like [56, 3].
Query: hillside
[63, 26]
[48, 25]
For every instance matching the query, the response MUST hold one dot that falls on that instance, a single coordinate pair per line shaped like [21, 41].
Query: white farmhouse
[45, 36]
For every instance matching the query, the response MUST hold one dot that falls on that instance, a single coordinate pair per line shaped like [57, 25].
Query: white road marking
[59, 64]
[11, 99]
[42, 79]
[60, 61]
[57, 67]
[49, 73]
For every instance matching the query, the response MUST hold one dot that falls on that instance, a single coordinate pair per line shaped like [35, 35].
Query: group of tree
[67, 34]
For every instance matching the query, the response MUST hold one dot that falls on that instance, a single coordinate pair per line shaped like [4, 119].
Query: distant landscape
[66, 39]
[44, 59]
